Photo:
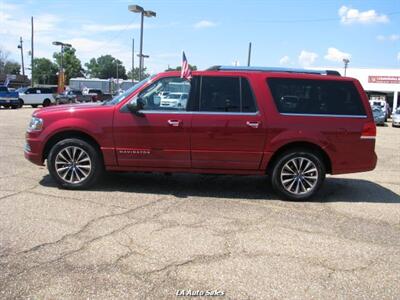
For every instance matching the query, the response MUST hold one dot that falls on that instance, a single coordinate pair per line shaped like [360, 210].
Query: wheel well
[67, 135]
[304, 145]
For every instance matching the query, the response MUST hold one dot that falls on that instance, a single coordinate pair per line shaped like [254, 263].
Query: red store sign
[384, 79]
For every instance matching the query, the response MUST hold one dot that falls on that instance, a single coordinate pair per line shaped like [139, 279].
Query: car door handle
[174, 123]
[253, 124]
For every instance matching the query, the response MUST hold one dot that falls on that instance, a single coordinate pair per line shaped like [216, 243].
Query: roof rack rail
[270, 69]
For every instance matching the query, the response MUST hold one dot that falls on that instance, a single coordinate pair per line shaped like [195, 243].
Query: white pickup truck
[37, 96]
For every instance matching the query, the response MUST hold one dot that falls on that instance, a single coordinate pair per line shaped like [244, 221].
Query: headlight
[36, 124]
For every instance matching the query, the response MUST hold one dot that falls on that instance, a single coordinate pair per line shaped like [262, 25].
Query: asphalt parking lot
[145, 236]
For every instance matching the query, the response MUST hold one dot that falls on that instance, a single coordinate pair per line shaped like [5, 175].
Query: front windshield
[117, 99]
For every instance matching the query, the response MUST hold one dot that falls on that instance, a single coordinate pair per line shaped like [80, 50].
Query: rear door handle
[174, 123]
[253, 124]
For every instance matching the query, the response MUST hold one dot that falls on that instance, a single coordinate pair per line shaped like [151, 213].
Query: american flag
[185, 72]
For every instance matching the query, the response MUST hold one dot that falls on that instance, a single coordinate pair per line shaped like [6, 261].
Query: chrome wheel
[299, 176]
[73, 164]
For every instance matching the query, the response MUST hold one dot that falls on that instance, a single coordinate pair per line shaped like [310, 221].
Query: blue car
[8, 99]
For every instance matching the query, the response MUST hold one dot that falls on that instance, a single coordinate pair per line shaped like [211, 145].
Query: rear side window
[326, 97]
[226, 94]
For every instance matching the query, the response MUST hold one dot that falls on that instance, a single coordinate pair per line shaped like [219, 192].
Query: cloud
[204, 24]
[391, 38]
[284, 60]
[336, 55]
[307, 58]
[352, 15]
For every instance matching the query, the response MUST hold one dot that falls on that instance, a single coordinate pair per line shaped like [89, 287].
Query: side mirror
[136, 105]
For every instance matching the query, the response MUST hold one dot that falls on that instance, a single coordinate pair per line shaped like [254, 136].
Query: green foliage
[45, 71]
[179, 68]
[8, 66]
[136, 74]
[71, 64]
[105, 67]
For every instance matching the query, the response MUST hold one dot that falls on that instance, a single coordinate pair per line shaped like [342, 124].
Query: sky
[285, 33]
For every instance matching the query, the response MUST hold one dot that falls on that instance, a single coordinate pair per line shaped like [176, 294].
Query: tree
[71, 64]
[105, 67]
[178, 68]
[136, 74]
[8, 66]
[45, 71]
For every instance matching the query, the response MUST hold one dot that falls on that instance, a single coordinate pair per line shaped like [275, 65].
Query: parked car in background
[97, 95]
[73, 96]
[383, 105]
[37, 96]
[8, 98]
[396, 118]
[379, 115]
[294, 125]
[176, 100]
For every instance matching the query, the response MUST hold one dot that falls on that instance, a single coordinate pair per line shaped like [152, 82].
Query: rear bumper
[365, 166]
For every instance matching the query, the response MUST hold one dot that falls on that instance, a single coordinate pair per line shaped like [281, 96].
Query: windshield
[117, 99]
[397, 111]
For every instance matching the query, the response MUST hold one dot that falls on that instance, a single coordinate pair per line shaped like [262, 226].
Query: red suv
[293, 125]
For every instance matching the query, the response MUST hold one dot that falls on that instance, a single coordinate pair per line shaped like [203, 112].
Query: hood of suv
[67, 108]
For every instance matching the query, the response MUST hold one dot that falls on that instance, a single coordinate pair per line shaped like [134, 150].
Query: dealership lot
[149, 235]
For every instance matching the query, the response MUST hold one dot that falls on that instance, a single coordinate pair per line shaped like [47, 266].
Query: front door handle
[174, 123]
[253, 124]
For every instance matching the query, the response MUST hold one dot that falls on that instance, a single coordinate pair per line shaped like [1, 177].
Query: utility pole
[22, 56]
[117, 78]
[32, 56]
[249, 55]
[133, 60]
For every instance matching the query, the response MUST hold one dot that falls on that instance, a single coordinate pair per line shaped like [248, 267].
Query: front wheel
[74, 164]
[297, 174]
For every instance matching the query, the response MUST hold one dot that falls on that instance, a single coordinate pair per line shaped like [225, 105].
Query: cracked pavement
[145, 236]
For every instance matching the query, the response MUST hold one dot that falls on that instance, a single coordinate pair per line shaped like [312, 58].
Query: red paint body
[209, 142]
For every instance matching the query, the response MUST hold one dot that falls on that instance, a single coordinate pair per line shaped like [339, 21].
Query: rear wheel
[46, 102]
[15, 106]
[297, 174]
[74, 164]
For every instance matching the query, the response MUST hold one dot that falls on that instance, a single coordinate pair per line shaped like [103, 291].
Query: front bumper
[396, 122]
[33, 149]
[12, 102]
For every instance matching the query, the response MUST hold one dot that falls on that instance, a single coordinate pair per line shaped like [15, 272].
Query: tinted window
[3, 89]
[248, 101]
[220, 94]
[302, 96]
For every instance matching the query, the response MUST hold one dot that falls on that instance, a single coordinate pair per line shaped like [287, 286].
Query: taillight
[369, 130]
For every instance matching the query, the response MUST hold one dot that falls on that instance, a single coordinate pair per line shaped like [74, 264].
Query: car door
[227, 130]
[156, 137]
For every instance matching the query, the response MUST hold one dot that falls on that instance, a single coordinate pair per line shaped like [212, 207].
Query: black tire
[303, 188]
[21, 103]
[96, 164]
[15, 106]
[46, 102]
[34, 105]
[7, 106]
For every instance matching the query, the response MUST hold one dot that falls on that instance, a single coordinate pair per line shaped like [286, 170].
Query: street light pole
[61, 71]
[22, 56]
[143, 13]
[133, 60]
[346, 62]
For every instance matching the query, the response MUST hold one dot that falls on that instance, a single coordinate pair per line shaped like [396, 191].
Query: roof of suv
[272, 70]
